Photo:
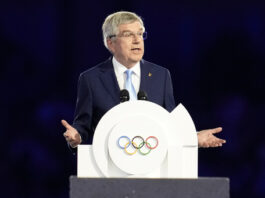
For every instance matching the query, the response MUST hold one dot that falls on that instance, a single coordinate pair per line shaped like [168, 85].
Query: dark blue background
[215, 51]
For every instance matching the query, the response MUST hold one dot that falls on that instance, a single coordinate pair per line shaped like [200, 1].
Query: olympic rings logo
[139, 146]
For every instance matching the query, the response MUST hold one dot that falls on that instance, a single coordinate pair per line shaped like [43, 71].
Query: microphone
[124, 95]
[142, 95]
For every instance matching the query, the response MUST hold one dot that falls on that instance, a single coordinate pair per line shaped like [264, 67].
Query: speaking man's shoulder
[97, 69]
[153, 66]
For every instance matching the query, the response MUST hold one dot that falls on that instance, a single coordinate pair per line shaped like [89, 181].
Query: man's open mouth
[136, 49]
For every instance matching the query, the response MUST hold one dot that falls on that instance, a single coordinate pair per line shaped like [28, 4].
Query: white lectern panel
[141, 139]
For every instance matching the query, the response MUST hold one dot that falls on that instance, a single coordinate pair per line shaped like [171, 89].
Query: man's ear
[110, 44]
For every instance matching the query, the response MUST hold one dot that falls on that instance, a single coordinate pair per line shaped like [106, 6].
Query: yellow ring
[127, 151]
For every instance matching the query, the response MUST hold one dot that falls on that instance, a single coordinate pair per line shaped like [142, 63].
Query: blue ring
[126, 138]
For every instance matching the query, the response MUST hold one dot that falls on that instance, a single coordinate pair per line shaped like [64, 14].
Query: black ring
[142, 144]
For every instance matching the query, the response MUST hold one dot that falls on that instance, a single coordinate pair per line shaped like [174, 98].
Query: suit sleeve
[169, 101]
[83, 110]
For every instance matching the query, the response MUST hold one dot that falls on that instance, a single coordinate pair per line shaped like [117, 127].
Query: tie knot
[129, 85]
[128, 73]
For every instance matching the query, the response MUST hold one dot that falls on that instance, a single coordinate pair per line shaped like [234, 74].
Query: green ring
[142, 147]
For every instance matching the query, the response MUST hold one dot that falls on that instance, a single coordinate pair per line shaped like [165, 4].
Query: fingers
[73, 143]
[71, 140]
[216, 130]
[220, 141]
[69, 135]
[212, 145]
[217, 142]
[223, 141]
[66, 135]
[211, 141]
[72, 137]
[65, 124]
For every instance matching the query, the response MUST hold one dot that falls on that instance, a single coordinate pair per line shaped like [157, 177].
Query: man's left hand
[206, 138]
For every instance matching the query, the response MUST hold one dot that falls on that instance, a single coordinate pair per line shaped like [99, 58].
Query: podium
[142, 188]
[159, 144]
[141, 150]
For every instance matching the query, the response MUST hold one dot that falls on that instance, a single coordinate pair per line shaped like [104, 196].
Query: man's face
[128, 46]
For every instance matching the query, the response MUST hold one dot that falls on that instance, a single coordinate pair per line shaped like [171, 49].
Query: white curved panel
[114, 117]
[184, 126]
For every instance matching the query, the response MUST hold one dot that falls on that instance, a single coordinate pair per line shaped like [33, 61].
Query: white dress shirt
[119, 70]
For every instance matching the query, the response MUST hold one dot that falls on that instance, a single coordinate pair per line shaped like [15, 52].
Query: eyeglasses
[130, 35]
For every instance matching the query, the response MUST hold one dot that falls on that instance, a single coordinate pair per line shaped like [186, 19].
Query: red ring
[150, 146]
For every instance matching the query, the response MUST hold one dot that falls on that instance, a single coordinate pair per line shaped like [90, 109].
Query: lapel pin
[149, 74]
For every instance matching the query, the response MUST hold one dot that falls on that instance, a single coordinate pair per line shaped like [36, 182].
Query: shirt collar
[120, 69]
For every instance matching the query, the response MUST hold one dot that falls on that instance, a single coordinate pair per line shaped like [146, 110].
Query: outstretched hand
[206, 138]
[71, 135]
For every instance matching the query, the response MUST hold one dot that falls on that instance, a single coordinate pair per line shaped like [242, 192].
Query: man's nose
[136, 38]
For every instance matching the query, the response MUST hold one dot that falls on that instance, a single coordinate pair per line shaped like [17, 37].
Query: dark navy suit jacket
[98, 91]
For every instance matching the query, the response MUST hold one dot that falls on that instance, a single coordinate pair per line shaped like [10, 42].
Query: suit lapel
[145, 77]
[109, 80]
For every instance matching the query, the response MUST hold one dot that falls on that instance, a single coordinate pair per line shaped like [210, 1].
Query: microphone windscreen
[124, 95]
[142, 95]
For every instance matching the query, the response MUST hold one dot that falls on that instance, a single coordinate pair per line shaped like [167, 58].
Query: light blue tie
[129, 85]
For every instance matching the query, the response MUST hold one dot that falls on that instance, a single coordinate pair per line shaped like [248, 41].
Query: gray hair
[112, 22]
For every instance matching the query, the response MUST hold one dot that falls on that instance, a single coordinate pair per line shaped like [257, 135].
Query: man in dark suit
[99, 87]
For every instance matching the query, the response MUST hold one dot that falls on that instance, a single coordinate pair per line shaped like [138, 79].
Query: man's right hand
[71, 135]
